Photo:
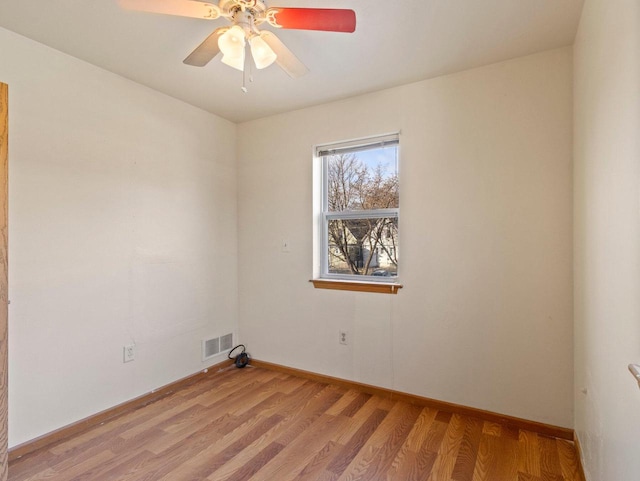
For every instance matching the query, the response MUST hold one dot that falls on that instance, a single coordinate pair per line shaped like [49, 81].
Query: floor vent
[216, 345]
[226, 342]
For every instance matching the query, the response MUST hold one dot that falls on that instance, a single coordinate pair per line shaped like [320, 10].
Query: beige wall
[122, 229]
[123, 224]
[607, 237]
[485, 315]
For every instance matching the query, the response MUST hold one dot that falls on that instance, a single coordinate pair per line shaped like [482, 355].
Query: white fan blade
[208, 49]
[183, 8]
[286, 59]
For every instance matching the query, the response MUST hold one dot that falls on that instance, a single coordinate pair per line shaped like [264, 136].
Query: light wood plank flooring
[261, 425]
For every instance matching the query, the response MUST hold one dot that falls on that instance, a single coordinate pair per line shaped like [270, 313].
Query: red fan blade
[327, 19]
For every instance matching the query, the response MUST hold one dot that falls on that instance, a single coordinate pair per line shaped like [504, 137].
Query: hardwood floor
[261, 425]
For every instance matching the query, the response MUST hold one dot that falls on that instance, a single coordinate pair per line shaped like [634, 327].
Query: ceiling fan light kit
[263, 55]
[235, 61]
[245, 16]
[231, 44]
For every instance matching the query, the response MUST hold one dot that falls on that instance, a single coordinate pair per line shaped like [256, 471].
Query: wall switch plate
[286, 246]
[129, 353]
[343, 337]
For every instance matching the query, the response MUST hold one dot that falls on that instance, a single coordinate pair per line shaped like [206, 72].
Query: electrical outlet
[129, 353]
[343, 337]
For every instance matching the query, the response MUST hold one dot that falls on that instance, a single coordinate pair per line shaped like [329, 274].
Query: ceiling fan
[245, 17]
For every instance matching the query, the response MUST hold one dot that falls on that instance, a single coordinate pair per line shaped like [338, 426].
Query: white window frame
[322, 153]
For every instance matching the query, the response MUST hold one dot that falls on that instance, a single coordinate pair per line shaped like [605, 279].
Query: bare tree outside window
[362, 202]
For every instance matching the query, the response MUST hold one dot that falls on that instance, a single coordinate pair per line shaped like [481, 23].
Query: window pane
[363, 180]
[366, 247]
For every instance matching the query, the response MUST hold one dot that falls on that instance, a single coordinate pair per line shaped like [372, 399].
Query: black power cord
[242, 359]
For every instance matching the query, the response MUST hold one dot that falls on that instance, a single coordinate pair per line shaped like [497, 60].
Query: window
[360, 210]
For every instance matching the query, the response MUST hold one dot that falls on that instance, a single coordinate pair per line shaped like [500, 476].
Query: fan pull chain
[244, 72]
[247, 65]
[250, 70]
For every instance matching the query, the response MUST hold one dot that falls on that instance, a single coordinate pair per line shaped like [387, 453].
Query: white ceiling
[396, 42]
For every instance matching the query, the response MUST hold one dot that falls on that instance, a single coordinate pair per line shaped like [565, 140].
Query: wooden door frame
[4, 282]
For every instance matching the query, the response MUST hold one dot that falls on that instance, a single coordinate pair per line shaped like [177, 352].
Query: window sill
[359, 286]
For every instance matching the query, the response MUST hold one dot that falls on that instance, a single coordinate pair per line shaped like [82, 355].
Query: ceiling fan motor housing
[255, 7]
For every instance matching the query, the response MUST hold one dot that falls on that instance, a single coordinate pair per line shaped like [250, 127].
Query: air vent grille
[216, 345]
[210, 347]
[226, 342]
